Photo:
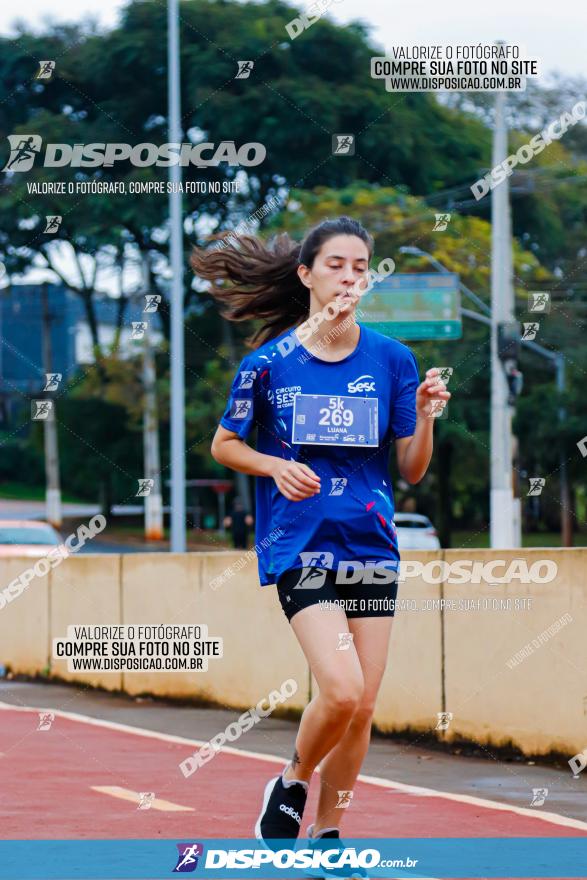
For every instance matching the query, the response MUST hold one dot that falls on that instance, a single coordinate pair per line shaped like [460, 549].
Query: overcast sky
[553, 32]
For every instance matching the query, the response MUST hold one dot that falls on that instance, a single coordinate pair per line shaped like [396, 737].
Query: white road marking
[127, 795]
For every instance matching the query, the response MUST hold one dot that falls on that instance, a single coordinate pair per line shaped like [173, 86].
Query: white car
[415, 532]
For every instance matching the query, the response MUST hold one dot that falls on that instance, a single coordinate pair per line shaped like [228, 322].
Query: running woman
[328, 396]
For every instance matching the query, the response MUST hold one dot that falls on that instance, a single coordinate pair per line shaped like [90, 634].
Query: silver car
[415, 532]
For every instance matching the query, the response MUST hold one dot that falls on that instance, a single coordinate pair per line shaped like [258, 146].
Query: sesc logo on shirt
[362, 384]
[284, 396]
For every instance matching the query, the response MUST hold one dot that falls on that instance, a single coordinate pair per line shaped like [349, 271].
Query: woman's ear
[304, 276]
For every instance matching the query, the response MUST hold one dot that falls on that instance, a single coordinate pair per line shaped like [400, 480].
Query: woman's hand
[431, 389]
[295, 480]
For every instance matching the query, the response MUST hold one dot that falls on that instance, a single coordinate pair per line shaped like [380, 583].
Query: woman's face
[339, 273]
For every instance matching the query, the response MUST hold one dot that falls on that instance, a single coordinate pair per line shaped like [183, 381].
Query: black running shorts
[301, 587]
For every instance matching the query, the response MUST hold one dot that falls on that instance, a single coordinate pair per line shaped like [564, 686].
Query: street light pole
[502, 530]
[178, 526]
[151, 458]
[53, 490]
[565, 501]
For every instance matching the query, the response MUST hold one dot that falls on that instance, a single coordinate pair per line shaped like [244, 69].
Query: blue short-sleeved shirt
[352, 516]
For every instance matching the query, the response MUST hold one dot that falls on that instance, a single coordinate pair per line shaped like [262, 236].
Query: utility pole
[151, 458]
[566, 520]
[178, 525]
[502, 532]
[53, 489]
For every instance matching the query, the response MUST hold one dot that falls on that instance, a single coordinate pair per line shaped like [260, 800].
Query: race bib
[333, 420]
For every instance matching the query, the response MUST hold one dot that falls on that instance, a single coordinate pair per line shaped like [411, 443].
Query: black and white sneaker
[329, 838]
[282, 810]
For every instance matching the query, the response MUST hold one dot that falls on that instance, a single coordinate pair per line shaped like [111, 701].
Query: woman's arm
[414, 453]
[293, 479]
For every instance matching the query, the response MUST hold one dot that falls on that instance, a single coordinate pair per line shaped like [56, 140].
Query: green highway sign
[413, 306]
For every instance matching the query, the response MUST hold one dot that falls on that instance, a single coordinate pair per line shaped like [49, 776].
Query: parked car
[27, 537]
[415, 532]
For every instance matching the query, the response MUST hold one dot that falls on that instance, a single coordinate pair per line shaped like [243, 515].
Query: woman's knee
[344, 695]
[363, 713]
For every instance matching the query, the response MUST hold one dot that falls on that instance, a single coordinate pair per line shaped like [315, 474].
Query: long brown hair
[263, 279]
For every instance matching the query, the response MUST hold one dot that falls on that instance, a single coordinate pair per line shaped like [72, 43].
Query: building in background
[21, 336]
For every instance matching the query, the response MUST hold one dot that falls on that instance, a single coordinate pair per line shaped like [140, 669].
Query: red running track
[52, 774]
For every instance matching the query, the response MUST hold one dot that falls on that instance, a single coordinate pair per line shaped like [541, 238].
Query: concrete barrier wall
[411, 690]
[467, 662]
[24, 622]
[84, 590]
[539, 701]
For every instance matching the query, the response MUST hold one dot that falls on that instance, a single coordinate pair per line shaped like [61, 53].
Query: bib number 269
[335, 414]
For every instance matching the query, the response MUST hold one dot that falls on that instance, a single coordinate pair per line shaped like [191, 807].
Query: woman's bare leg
[340, 767]
[340, 682]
